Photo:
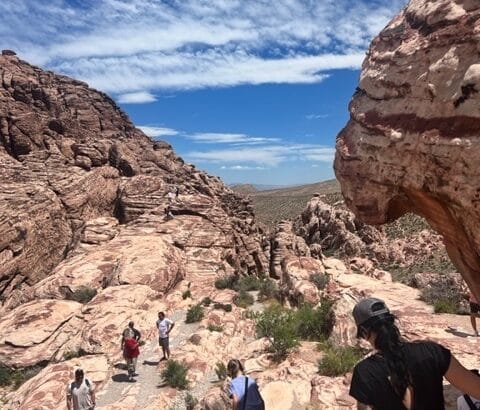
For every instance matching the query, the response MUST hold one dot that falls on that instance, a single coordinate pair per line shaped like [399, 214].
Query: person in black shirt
[402, 375]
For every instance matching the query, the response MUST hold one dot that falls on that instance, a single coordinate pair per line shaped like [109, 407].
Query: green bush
[315, 323]
[206, 301]
[71, 354]
[16, 377]
[320, 280]
[249, 282]
[338, 360]
[190, 401]
[186, 294]
[243, 299]
[215, 328]
[444, 296]
[226, 282]
[227, 307]
[268, 290]
[278, 325]
[221, 371]
[175, 374]
[83, 294]
[194, 314]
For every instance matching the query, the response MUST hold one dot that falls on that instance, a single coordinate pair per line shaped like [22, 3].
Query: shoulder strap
[71, 387]
[246, 393]
[87, 382]
[469, 401]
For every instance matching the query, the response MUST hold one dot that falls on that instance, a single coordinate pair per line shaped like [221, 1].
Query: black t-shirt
[427, 362]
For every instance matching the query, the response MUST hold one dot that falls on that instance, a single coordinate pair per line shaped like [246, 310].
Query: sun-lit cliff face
[413, 140]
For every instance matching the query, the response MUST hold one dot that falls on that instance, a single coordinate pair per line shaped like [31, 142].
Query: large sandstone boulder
[412, 142]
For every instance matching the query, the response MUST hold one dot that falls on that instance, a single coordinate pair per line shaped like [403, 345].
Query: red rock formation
[412, 143]
[69, 156]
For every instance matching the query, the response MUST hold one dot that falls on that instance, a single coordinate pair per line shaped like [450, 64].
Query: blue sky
[253, 91]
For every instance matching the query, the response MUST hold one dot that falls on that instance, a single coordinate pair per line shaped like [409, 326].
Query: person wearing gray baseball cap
[400, 374]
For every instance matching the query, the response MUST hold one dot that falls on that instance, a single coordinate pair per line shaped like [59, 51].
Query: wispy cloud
[241, 168]
[266, 156]
[157, 131]
[134, 46]
[222, 138]
[316, 116]
[139, 97]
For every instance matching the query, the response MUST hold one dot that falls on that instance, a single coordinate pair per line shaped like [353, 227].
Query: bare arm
[69, 402]
[234, 402]
[462, 378]
[171, 327]
[92, 395]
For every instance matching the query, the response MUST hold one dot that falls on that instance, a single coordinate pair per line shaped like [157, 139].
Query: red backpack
[131, 348]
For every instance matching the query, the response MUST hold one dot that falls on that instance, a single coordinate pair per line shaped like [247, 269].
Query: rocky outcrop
[73, 167]
[412, 141]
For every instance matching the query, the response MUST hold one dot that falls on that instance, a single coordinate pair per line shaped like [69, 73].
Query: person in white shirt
[164, 327]
[80, 393]
[467, 402]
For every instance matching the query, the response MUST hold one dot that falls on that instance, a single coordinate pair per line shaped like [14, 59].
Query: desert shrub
[72, 354]
[243, 299]
[16, 377]
[190, 401]
[268, 290]
[319, 279]
[221, 371]
[249, 282]
[444, 297]
[226, 282]
[338, 360]
[278, 325]
[227, 307]
[215, 328]
[206, 301]
[186, 294]
[315, 323]
[194, 314]
[83, 294]
[175, 374]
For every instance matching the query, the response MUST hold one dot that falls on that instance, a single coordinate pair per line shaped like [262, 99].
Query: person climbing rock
[131, 351]
[130, 331]
[474, 312]
[466, 402]
[402, 375]
[164, 327]
[80, 393]
[168, 213]
[243, 389]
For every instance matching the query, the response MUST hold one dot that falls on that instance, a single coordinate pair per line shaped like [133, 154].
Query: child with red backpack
[131, 352]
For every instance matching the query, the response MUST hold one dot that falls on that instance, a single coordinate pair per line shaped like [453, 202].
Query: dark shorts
[474, 307]
[163, 342]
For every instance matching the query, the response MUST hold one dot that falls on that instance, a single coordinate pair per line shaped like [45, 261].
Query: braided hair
[392, 347]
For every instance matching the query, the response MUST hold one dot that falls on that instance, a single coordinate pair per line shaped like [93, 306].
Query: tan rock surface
[412, 141]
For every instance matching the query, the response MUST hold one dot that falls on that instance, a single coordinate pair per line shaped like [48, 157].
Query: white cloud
[269, 156]
[139, 97]
[225, 138]
[157, 131]
[125, 46]
[316, 116]
[241, 168]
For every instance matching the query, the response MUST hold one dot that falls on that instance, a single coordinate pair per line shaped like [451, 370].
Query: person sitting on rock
[402, 375]
[243, 389]
[474, 312]
[168, 212]
[131, 352]
[164, 327]
[466, 402]
[80, 393]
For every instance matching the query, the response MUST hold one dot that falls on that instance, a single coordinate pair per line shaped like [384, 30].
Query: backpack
[470, 403]
[72, 385]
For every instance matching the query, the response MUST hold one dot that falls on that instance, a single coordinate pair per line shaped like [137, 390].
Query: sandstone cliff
[69, 158]
[412, 141]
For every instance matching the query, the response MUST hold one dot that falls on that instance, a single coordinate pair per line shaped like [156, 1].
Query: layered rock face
[73, 167]
[412, 143]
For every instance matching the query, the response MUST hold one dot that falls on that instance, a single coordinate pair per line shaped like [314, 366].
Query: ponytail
[389, 342]
[233, 367]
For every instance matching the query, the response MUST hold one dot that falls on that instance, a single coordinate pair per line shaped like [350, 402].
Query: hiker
[177, 192]
[474, 312]
[466, 402]
[164, 327]
[80, 393]
[168, 213]
[131, 352]
[243, 389]
[402, 375]
[130, 331]
[171, 196]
